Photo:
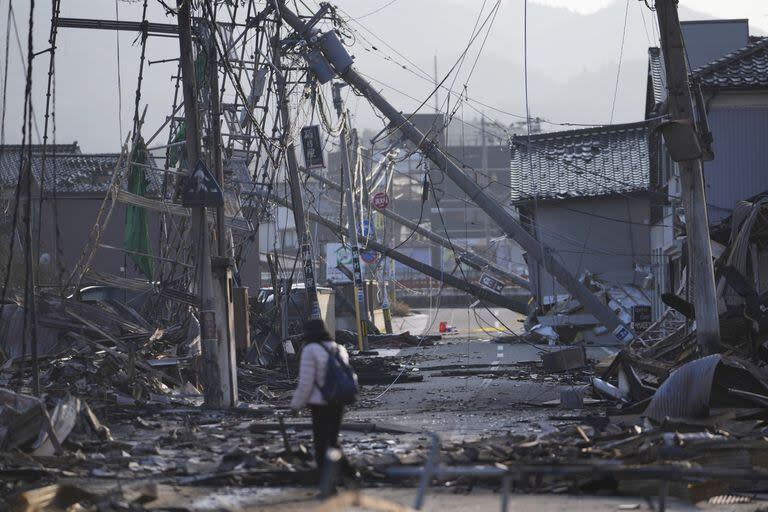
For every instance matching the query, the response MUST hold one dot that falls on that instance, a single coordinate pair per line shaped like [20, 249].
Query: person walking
[326, 383]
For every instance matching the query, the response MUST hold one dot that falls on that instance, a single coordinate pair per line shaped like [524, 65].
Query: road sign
[369, 256]
[490, 282]
[201, 189]
[622, 334]
[367, 230]
[380, 200]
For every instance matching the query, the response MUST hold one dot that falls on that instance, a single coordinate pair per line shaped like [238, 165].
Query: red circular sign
[380, 200]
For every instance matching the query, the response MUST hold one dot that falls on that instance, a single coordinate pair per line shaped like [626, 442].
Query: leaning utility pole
[338, 59]
[472, 259]
[447, 278]
[287, 143]
[212, 377]
[684, 145]
[361, 314]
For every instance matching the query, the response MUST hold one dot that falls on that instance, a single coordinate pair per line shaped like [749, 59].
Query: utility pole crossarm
[336, 57]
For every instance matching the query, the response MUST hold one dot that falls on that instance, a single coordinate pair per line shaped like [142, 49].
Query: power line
[376, 10]
[450, 71]
[5, 72]
[23, 59]
[119, 78]
[425, 76]
[621, 56]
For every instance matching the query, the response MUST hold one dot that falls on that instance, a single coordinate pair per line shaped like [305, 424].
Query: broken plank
[121, 357]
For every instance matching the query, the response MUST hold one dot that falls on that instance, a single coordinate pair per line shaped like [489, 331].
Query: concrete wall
[607, 236]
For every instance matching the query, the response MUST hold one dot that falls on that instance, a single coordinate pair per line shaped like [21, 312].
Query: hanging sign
[312, 147]
[490, 282]
[201, 188]
[380, 200]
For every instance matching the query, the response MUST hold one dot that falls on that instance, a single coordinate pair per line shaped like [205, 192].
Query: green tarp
[136, 223]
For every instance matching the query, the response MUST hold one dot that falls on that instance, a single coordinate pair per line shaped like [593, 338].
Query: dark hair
[316, 332]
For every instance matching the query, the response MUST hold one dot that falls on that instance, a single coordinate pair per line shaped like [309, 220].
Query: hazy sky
[573, 60]
[755, 10]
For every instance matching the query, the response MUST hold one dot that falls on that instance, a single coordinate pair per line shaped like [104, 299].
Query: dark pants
[326, 422]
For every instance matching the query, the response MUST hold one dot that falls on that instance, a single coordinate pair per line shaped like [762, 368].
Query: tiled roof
[657, 79]
[581, 163]
[746, 68]
[75, 172]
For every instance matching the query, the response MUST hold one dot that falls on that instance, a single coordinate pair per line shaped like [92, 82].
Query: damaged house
[586, 194]
[81, 184]
[731, 68]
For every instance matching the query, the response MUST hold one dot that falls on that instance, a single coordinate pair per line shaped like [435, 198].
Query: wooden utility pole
[352, 238]
[341, 62]
[287, 141]
[201, 241]
[681, 109]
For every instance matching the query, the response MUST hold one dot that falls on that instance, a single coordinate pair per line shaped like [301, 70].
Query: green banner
[136, 223]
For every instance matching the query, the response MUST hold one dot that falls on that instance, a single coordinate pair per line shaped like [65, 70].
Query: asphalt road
[469, 405]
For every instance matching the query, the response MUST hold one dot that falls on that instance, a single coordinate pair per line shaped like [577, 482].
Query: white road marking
[494, 365]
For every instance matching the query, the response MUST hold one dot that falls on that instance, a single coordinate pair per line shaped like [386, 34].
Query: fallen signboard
[490, 282]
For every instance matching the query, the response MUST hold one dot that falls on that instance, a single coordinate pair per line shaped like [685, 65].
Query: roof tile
[581, 163]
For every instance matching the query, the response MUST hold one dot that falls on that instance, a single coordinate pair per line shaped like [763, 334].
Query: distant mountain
[572, 61]
[572, 58]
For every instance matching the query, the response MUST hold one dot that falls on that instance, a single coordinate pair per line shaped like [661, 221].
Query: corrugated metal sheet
[740, 168]
[685, 394]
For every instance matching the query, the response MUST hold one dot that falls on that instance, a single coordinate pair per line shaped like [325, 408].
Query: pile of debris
[104, 350]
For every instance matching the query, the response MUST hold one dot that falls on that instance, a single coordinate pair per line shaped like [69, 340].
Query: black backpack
[340, 387]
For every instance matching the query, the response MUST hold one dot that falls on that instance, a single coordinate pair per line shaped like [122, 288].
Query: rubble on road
[121, 404]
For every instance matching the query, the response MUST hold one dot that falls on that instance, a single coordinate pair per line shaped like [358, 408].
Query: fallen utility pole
[465, 256]
[428, 270]
[287, 142]
[681, 109]
[352, 239]
[216, 387]
[337, 57]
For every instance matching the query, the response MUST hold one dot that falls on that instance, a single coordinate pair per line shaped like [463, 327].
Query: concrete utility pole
[477, 291]
[341, 62]
[465, 256]
[218, 163]
[357, 272]
[215, 389]
[295, 185]
[680, 137]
